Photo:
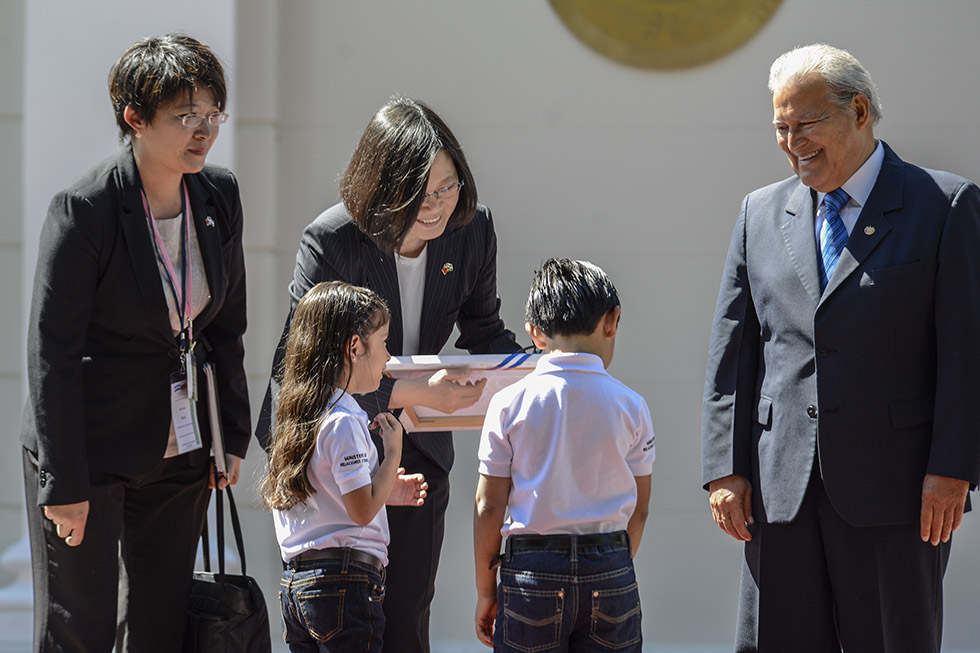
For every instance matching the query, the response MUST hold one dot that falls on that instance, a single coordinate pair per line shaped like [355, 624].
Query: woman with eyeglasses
[140, 280]
[409, 227]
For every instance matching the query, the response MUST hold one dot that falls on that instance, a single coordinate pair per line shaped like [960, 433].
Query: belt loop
[343, 566]
[508, 549]
[573, 545]
[629, 543]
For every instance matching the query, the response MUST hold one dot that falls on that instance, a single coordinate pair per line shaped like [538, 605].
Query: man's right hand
[70, 521]
[730, 498]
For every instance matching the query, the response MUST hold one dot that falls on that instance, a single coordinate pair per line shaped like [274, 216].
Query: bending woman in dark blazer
[140, 267]
[409, 227]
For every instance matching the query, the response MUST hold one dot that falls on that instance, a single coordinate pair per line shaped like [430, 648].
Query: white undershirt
[411, 288]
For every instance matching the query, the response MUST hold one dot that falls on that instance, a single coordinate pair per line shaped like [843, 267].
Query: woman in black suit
[409, 227]
[140, 280]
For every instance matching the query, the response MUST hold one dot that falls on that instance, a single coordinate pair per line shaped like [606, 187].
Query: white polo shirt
[344, 460]
[572, 438]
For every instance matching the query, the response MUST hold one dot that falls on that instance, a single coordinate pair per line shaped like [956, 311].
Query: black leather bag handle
[220, 523]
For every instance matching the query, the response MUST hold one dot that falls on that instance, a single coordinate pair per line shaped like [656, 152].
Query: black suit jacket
[100, 345]
[463, 293]
[878, 375]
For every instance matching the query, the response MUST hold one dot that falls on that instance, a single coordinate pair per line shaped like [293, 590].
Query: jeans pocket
[532, 618]
[322, 611]
[616, 617]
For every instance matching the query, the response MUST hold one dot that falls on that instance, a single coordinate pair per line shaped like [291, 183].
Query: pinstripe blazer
[463, 293]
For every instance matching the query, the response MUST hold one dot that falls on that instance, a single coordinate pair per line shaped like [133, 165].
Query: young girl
[324, 484]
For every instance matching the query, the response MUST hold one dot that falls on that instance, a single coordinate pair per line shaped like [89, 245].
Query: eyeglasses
[195, 120]
[444, 193]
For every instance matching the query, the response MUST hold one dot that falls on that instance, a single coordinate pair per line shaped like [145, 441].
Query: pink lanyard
[182, 293]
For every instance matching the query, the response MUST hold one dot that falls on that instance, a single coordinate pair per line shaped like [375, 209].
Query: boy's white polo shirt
[571, 438]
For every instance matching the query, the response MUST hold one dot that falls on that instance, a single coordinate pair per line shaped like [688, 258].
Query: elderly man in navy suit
[840, 432]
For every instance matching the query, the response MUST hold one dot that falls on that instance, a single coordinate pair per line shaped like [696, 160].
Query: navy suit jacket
[100, 346]
[463, 293]
[878, 376]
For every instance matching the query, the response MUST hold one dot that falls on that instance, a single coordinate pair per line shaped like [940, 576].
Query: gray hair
[844, 75]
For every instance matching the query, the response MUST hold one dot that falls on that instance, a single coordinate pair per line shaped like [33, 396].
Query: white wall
[639, 171]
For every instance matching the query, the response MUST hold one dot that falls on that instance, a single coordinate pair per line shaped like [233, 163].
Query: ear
[537, 336]
[355, 348]
[861, 107]
[610, 322]
[133, 119]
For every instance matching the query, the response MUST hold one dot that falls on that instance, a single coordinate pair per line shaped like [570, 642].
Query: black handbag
[227, 612]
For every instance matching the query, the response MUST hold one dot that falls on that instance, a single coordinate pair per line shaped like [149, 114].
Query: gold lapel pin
[869, 231]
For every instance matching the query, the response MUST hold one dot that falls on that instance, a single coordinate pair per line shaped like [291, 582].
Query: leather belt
[564, 542]
[338, 553]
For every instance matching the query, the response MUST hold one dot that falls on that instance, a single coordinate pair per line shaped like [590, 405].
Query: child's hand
[486, 613]
[391, 433]
[409, 490]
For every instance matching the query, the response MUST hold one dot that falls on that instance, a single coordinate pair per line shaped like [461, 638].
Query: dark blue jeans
[332, 606]
[585, 599]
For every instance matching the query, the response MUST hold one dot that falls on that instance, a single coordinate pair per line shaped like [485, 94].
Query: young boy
[568, 450]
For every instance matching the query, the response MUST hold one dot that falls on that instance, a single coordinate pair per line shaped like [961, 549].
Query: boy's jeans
[332, 606]
[581, 598]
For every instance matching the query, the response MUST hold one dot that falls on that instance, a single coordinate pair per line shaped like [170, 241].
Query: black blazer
[100, 345]
[463, 293]
[877, 376]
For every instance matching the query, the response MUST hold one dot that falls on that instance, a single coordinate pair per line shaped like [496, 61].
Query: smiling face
[368, 358]
[435, 212]
[164, 146]
[824, 142]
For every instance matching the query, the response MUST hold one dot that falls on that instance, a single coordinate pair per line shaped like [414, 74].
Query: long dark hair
[317, 351]
[383, 186]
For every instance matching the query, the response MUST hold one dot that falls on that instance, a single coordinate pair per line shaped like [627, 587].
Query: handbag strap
[220, 523]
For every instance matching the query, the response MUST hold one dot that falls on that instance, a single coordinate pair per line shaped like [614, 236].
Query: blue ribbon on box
[507, 363]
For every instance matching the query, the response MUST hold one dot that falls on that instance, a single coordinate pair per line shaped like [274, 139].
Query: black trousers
[413, 558]
[820, 585]
[137, 554]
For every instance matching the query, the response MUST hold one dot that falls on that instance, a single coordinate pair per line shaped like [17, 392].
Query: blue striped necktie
[833, 234]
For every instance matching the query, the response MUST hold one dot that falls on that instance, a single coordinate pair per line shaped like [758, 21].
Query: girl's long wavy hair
[317, 362]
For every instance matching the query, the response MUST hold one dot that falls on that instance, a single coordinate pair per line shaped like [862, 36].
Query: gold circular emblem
[664, 33]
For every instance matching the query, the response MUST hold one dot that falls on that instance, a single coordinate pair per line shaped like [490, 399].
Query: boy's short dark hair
[569, 297]
[158, 69]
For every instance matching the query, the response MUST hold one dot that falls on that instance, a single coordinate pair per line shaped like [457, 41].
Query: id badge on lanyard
[183, 384]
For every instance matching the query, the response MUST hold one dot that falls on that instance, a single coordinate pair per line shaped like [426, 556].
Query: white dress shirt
[858, 187]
